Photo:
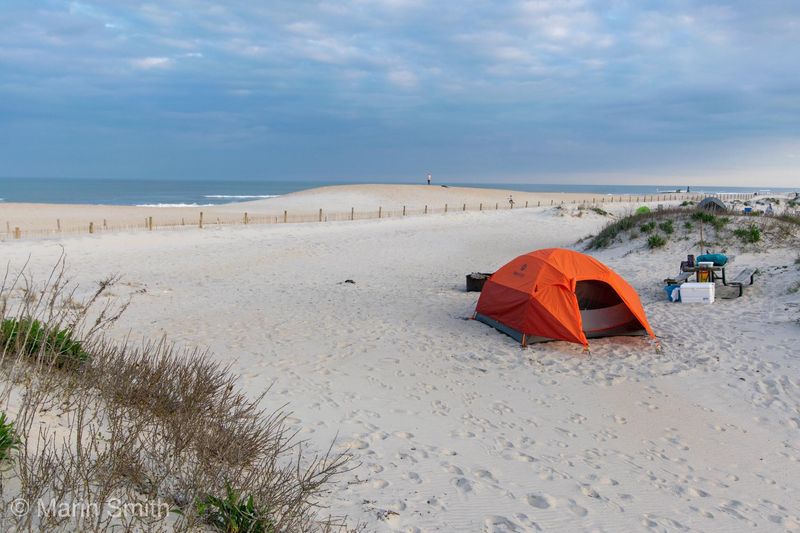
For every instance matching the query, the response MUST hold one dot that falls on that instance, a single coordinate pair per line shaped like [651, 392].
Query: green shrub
[9, 441]
[704, 216]
[643, 210]
[720, 222]
[648, 227]
[667, 227]
[751, 234]
[687, 203]
[234, 513]
[688, 225]
[656, 241]
[32, 338]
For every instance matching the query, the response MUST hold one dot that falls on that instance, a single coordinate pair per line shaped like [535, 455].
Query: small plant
[687, 203]
[720, 222]
[751, 234]
[794, 287]
[656, 241]
[688, 225]
[234, 513]
[667, 227]
[599, 211]
[32, 338]
[648, 227]
[9, 441]
[704, 216]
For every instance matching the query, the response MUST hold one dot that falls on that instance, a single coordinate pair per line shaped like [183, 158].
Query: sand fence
[211, 217]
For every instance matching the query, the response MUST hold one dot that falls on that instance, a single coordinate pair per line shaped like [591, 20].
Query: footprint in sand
[462, 484]
[414, 478]
[541, 501]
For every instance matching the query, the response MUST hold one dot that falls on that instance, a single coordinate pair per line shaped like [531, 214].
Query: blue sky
[385, 90]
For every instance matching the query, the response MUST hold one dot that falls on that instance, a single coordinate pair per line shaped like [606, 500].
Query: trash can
[476, 280]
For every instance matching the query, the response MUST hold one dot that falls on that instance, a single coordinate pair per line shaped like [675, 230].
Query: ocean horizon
[201, 192]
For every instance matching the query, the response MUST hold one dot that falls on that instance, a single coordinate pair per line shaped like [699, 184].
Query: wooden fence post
[320, 214]
[426, 209]
[445, 208]
[58, 224]
[150, 223]
[352, 213]
[285, 216]
[91, 227]
[526, 203]
[246, 220]
[8, 227]
[480, 207]
[201, 220]
[17, 233]
[539, 203]
[105, 224]
[380, 209]
[404, 210]
[183, 222]
[464, 207]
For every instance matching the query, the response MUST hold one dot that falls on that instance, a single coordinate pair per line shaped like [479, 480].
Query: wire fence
[201, 219]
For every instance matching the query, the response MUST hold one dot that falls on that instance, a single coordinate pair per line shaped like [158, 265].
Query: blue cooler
[673, 293]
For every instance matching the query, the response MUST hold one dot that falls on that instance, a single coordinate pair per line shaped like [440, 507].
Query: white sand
[336, 202]
[455, 426]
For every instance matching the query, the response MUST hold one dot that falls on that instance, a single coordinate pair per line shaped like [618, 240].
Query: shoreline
[322, 204]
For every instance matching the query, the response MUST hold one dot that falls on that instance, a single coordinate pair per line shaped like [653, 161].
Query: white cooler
[697, 293]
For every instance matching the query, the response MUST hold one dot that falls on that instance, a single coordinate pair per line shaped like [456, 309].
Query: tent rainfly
[558, 294]
[712, 204]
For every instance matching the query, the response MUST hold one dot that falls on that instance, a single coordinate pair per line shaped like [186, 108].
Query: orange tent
[557, 294]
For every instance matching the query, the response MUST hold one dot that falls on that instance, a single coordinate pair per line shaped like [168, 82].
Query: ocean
[165, 193]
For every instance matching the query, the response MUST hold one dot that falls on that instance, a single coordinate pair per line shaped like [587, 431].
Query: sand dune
[455, 426]
[44, 219]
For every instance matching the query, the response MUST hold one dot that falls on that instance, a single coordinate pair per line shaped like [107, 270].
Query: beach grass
[148, 423]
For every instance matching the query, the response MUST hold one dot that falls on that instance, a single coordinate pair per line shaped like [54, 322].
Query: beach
[453, 426]
[332, 203]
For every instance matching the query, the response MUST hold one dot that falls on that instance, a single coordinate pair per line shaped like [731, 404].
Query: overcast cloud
[548, 91]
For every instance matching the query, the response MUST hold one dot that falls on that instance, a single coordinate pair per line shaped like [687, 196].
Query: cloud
[403, 78]
[595, 80]
[150, 63]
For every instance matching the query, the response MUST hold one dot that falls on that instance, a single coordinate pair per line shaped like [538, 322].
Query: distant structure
[712, 204]
[429, 178]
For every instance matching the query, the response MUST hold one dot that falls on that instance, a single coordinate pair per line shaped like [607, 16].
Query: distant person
[429, 178]
[688, 189]
[511, 201]
[769, 211]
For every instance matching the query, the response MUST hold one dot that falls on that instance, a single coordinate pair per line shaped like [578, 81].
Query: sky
[566, 91]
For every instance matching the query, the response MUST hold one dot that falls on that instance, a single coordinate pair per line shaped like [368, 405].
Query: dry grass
[721, 230]
[149, 425]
